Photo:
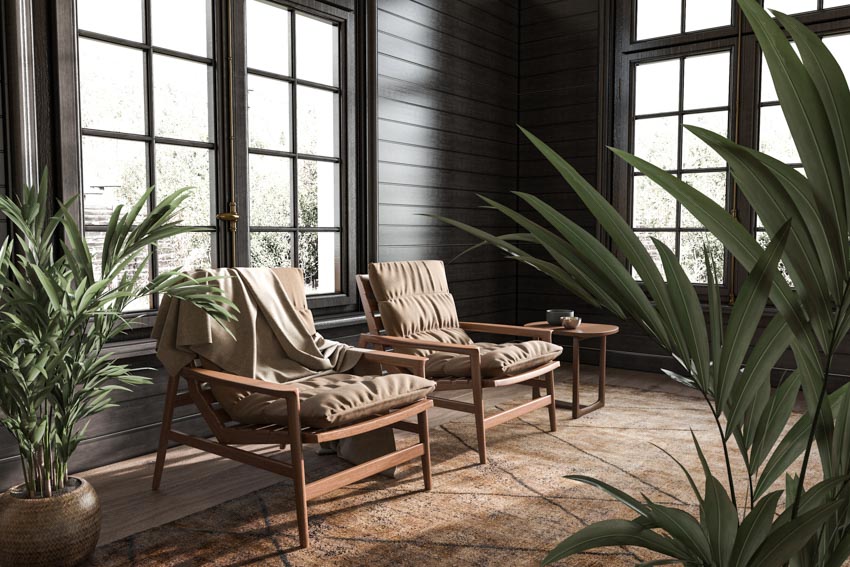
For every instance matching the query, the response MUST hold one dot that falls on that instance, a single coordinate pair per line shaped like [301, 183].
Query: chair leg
[167, 414]
[550, 389]
[425, 439]
[478, 400]
[299, 478]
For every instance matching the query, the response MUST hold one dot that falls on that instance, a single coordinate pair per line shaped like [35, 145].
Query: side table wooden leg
[603, 363]
[576, 376]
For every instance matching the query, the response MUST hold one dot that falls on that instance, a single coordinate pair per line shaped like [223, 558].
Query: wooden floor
[194, 481]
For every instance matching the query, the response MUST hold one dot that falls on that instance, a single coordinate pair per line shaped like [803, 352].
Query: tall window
[146, 106]
[163, 104]
[681, 62]
[294, 142]
[696, 93]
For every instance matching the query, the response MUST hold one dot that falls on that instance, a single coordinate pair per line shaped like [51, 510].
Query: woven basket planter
[61, 530]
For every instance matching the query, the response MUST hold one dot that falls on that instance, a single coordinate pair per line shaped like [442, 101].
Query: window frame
[348, 158]
[357, 132]
[623, 132]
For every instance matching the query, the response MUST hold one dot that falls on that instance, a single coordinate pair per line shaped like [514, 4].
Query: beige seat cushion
[334, 400]
[497, 360]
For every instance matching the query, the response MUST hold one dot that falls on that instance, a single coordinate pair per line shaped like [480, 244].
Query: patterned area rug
[511, 511]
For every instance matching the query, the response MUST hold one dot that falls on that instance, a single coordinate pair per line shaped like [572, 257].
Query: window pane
[181, 166]
[775, 137]
[653, 206]
[318, 194]
[706, 14]
[118, 18]
[271, 249]
[656, 18]
[268, 113]
[316, 50]
[839, 45]
[318, 255]
[764, 239]
[268, 37]
[94, 240]
[181, 99]
[835, 3]
[114, 173]
[657, 87]
[706, 81]
[318, 119]
[712, 185]
[270, 190]
[657, 140]
[181, 26]
[768, 89]
[112, 87]
[695, 153]
[791, 6]
[185, 252]
[668, 238]
[692, 256]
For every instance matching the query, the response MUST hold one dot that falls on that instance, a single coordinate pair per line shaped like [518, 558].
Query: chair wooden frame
[541, 377]
[227, 435]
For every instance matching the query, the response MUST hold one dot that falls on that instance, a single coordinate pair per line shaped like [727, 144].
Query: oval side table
[583, 332]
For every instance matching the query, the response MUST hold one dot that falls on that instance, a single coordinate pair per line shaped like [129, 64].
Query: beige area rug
[508, 512]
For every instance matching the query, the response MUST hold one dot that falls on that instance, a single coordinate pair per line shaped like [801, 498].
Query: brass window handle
[230, 216]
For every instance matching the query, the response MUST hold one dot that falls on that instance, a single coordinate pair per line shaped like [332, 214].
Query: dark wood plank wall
[559, 101]
[447, 107]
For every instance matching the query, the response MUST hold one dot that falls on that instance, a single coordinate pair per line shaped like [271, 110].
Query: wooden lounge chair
[311, 414]
[409, 308]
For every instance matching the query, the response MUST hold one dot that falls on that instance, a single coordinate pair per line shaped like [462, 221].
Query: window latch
[231, 216]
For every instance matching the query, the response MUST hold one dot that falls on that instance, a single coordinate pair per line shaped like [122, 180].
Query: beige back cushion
[292, 280]
[415, 302]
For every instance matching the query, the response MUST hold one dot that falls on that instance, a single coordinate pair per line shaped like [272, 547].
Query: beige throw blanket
[273, 338]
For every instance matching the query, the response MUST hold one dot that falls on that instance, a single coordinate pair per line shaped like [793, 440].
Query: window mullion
[150, 125]
[293, 125]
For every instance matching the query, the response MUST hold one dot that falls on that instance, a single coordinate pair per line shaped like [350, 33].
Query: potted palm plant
[57, 312]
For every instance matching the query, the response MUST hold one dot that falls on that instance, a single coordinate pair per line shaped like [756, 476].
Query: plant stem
[725, 450]
[795, 508]
[746, 458]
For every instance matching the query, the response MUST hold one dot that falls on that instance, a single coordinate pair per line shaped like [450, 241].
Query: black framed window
[294, 142]
[146, 75]
[653, 46]
[695, 92]
[257, 104]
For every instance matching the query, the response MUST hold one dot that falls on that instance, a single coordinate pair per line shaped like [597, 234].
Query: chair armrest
[471, 351]
[514, 330]
[391, 340]
[252, 384]
[415, 364]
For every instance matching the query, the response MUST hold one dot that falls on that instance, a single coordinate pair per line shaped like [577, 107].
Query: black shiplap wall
[559, 98]
[558, 102]
[447, 108]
